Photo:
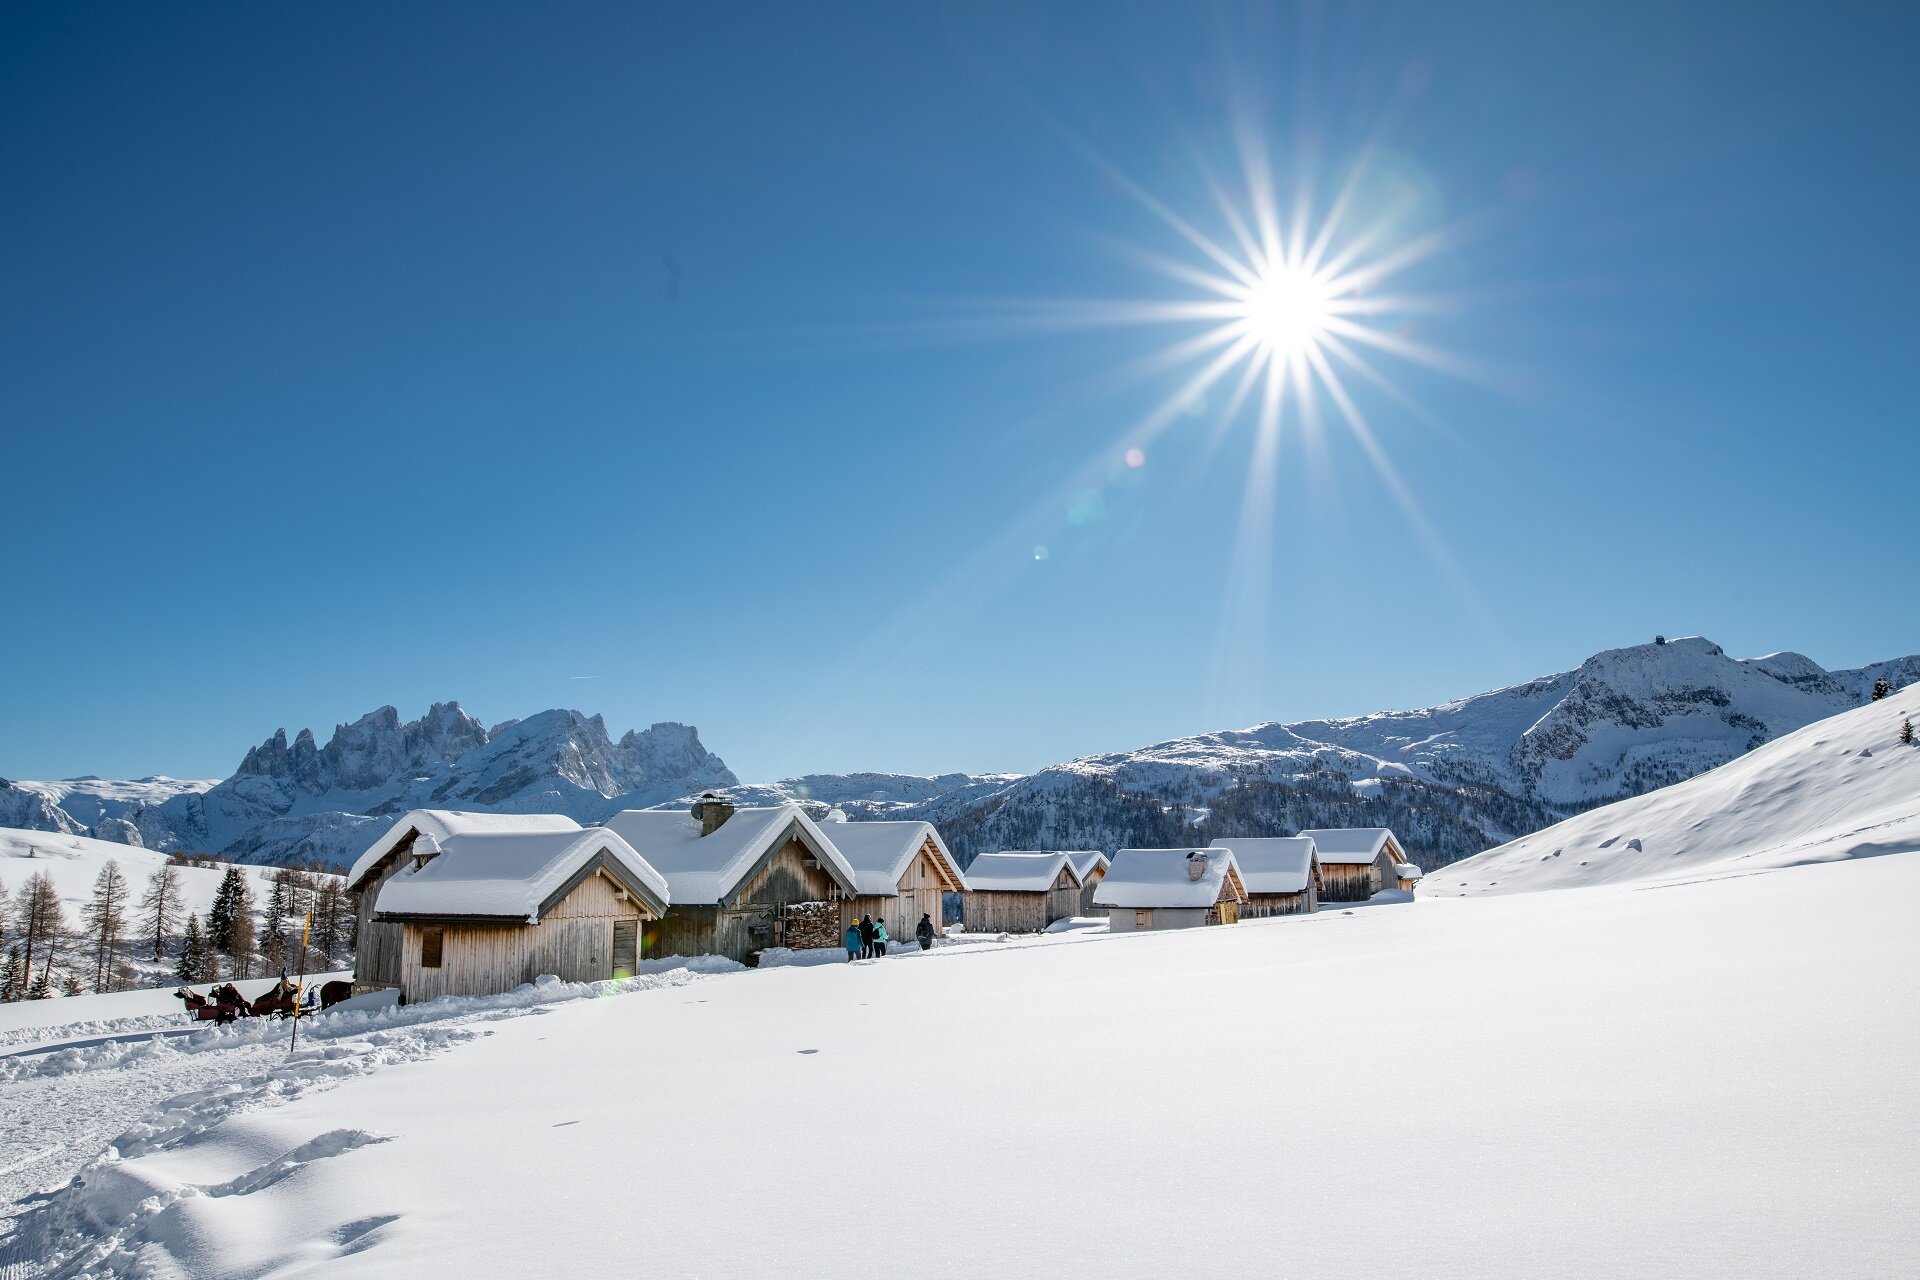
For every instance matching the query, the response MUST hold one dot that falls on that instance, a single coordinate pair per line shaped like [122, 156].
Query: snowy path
[61, 1106]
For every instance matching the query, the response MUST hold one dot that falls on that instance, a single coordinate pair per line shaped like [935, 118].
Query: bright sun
[1286, 309]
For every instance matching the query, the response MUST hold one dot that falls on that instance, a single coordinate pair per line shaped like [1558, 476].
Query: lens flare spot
[1040, 552]
[1087, 507]
[1136, 457]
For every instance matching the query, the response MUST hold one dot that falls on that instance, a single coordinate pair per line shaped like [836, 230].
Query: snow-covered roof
[1088, 861]
[1159, 878]
[1277, 865]
[1407, 871]
[514, 874]
[1350, 846]
[702, 870]
[442, 823]
[1018, 870]
[881, 852]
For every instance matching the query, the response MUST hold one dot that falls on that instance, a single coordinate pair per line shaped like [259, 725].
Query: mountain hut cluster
[479, 903]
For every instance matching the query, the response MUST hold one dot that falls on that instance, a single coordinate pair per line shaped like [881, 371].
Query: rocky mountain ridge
[1453, 779]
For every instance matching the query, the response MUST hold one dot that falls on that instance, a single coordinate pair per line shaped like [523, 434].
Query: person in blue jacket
[853, 941]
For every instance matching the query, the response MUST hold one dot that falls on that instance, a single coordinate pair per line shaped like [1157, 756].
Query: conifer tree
[160, 907]
[42, 985]
[105, 917]
[1906, 731]
[193, 965]
[72, 987]
[220, 916]
[13, 978]
[1881, 688]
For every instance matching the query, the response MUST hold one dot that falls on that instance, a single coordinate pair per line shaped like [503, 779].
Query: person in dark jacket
[925, 932]
[853, 942]
[866, 936]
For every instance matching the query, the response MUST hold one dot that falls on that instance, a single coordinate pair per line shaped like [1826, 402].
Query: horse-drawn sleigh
[224, 1003]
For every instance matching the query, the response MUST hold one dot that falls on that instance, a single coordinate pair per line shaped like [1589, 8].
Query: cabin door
[626, 948]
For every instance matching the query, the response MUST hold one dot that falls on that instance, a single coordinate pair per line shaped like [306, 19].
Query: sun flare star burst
[1287, 315]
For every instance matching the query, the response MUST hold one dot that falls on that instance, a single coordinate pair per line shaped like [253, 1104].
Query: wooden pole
[300, 990]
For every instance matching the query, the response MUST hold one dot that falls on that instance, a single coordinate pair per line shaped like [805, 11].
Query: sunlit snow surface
[1700, 1071]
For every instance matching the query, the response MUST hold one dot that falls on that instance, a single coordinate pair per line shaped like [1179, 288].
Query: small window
[430, 943]
[1143, 919]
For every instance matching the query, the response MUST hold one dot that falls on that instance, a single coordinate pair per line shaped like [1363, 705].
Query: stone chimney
[1196, 864]
[712, 811]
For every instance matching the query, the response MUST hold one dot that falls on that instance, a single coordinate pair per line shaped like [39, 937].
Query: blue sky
[681, 365]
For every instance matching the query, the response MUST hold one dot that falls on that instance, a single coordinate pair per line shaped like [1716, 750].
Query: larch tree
[329, 918]
[160, 907]
[105, 918]
[38, 918]
[239, 946]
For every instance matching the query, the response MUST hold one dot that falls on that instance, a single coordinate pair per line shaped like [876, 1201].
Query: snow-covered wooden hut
[1407, 876]
[377, 944]
[1281, 874]
[741, 880]
[1356, 862]
[1091, 866]
[1019, 891]
[481, 912]
[900, 869]
[1171, 889]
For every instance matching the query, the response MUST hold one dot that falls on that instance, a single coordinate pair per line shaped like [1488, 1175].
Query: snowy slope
[75, 862]
[1844, 787]
[1618, 1083]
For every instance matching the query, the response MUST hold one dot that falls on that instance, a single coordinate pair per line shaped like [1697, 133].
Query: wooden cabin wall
[1086, 907]
[786, 878]
[920, 890]
[1005, 911]
[574, 942]
[1341, 882]
[1259, 906]
[683, 931]
[377, 946]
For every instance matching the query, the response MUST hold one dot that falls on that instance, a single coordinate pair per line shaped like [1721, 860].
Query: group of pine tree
[45, 954]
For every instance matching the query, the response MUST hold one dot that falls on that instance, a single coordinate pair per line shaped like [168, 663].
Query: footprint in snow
[809, 1051]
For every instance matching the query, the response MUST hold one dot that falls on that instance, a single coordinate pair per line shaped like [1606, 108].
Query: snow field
[1701, 1079]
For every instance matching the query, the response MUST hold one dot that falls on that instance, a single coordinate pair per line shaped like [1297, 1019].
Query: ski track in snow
[65, 1111]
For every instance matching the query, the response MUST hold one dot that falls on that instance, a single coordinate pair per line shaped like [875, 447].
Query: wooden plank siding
[1259, 906]
[751, 919]
[1021, 910]
[1093, 880]
[1343, 882]
[378, 945]
[574, 942]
